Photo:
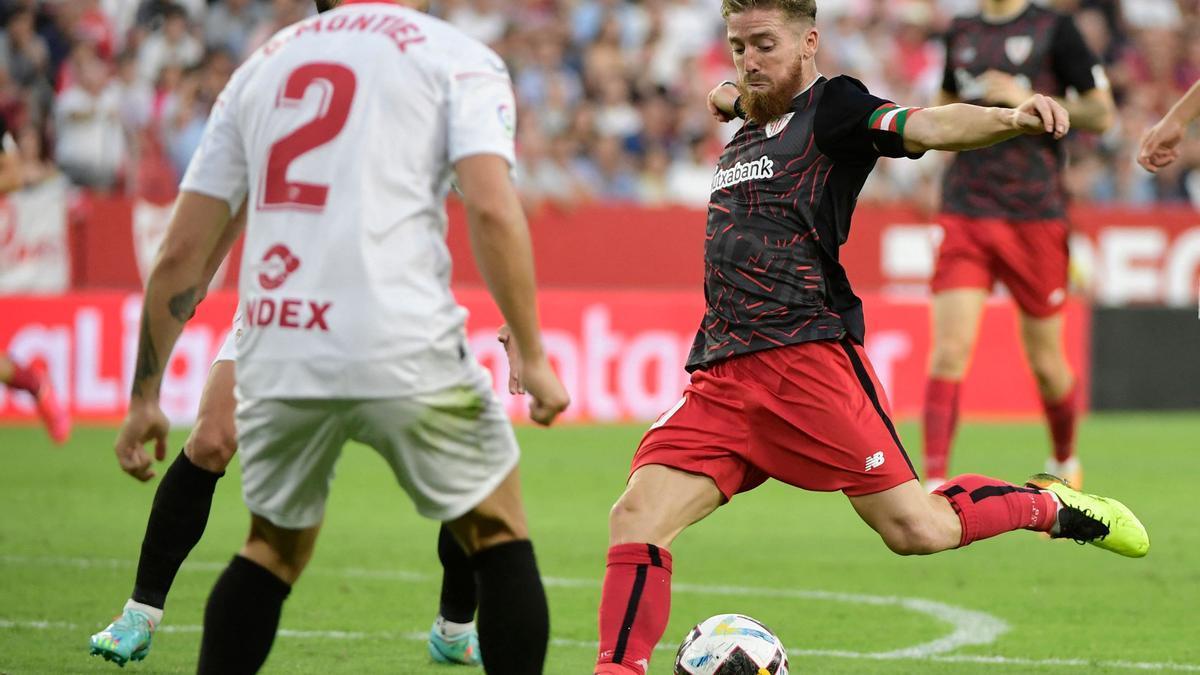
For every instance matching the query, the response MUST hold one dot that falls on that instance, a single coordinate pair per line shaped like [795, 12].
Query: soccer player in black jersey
[781, 387]
[1004, 215]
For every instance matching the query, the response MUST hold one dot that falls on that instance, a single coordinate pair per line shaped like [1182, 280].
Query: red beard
[762, 106]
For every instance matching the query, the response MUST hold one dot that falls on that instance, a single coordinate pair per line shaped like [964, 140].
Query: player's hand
[549, 396]
[721, 100]
[143, 423]
[1041, 115]
[1001, 88]
[504, 335]
[1160, 144]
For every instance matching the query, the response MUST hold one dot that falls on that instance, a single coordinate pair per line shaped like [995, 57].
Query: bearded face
[774, 54]
[765, 99]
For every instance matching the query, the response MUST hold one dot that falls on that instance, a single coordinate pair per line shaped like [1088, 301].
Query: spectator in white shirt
[172, 45]
[91, 142]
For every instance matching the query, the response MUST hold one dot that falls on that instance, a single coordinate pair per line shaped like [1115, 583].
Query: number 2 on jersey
[338, 85]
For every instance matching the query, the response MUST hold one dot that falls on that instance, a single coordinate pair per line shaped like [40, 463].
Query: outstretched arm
[956, 126]
[1094, 110]
[1160, 144]
[960, 126]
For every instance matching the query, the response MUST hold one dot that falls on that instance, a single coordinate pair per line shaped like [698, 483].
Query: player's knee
[949, 358]
[1048, 369]
[485, 530]
[627, 520]
[211, 446]
[285, 553]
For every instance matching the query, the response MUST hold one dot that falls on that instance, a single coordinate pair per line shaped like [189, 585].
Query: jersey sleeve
[1074, 64]
[482, 109]
[219, 166]
[852, 125]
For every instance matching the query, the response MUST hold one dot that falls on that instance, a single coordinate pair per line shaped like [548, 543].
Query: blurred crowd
[114, 94]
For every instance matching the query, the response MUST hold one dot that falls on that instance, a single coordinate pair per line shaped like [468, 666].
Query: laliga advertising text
[614, 374]
[614, 368]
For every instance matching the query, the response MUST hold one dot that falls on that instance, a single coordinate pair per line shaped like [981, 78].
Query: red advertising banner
[1120, 256]
[620, 353]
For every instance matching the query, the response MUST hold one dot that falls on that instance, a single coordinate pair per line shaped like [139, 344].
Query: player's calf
[918, 536]
[909, 521]
[987, 507]
[514, 618]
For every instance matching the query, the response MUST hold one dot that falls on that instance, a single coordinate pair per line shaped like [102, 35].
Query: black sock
[241, 619]
[514, 621]
[177, 521]
[459, 599]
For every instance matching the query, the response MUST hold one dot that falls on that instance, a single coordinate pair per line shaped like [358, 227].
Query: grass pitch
[803, 563]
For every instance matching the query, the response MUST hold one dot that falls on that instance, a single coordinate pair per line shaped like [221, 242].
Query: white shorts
[449, 450]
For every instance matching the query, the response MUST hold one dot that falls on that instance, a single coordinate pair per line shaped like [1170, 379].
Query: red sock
[1061, 417]
[987, 507]
[941, 419]
[25, 378]
[634, 606]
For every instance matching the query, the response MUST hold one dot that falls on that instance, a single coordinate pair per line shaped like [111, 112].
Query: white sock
[449, 629]
[1054, 529]
[1064, 468]
[155, 614]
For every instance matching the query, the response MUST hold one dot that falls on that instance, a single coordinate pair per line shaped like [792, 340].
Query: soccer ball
[731, 644]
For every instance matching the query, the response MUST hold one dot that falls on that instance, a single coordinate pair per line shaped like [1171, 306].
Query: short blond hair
[797, 10]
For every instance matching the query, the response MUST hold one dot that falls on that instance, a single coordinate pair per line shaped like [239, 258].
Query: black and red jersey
[1020, 180]
[782, 196]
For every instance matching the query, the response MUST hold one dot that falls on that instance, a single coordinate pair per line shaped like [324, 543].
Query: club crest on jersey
[777, 125]
[1018, 48]
[277, 264]
[759, 169]
[507, 119]
[967, 54]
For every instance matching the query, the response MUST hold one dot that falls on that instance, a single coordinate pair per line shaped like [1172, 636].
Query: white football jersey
[342, 132]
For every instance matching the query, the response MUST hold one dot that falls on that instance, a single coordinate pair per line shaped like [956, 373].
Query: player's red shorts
[1029, 257]
[811, 415]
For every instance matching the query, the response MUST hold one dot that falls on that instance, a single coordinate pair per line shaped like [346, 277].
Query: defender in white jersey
[341, 133]
[180, 511]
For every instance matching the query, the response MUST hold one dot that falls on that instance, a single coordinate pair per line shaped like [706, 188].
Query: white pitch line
[970, 627]
[418, 636]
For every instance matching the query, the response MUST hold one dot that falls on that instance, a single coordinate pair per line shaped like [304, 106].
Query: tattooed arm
[232, 231]
[199, 227]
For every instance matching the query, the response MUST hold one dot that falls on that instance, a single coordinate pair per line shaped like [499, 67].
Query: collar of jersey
[810, 85]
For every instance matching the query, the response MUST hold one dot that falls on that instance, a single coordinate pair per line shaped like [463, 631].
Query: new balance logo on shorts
[875, 461]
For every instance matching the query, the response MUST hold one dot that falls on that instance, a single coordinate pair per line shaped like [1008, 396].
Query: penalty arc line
[970, 627]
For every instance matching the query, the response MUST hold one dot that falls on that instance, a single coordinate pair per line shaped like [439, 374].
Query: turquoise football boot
[462, 649]
[126, 639]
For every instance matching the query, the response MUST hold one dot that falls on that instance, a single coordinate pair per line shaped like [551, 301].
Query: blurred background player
[1160, 145]
[781, 386]
[354, 334]
[184, 499]
[1004, 215]
[31, 378]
